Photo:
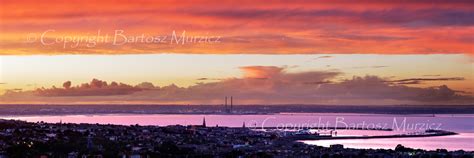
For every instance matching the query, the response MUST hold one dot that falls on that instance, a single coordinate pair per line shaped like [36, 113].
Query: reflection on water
[463, 141]
[457, 123]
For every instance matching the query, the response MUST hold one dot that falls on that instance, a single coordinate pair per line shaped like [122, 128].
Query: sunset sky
[272, 52]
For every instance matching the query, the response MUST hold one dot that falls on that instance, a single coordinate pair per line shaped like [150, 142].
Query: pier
[427, 133]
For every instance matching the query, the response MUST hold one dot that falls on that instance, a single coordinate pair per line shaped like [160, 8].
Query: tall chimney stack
[226, 103]
[231, 104]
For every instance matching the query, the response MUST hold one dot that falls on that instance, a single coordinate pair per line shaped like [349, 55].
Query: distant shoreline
[87, 109]
[313, 114]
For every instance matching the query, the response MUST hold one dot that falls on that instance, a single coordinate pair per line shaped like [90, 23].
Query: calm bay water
[463, 141]
[322, 122]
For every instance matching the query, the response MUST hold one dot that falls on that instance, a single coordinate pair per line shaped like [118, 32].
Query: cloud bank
[259, 85]
[94, 88]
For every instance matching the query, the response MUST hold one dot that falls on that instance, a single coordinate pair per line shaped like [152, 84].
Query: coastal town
[40, 139]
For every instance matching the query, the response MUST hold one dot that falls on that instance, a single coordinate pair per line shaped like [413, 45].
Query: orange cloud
[261, 72]
[249, 27]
